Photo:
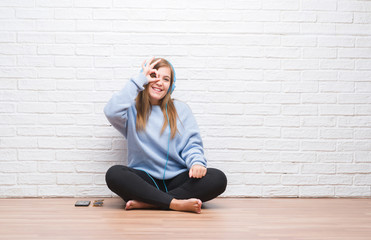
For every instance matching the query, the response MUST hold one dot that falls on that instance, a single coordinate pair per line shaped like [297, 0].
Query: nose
[159, 82]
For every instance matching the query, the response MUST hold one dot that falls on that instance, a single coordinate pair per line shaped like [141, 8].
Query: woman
[166, 164]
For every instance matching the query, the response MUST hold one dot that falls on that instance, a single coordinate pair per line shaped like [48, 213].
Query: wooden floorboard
[221, 218]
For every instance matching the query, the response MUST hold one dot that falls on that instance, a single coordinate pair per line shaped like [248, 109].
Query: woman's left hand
[197, 171]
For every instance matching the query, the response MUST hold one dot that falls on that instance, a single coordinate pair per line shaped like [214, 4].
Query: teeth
[157, 89]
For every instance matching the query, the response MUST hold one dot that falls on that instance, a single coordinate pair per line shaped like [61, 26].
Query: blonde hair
[144, 106]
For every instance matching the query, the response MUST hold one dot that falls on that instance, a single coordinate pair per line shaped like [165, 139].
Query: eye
[166, 79]
[153, 75]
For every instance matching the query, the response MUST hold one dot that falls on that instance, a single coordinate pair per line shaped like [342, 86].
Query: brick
[318, 53]
[317, 75]
[362, 157]
[283, 168]
[93, 144]
[319, 5]
[318, 28]
[34, 13]
[7, 108]
[35, 84]
[331, 109]
[299, 133]
[354, 98]
[61, 3]
[76, 108]
[294, 157]
[36, 107]
[19, 167]
[336, 41]
[281, 28]
[363, 110]
[73, 13]
[38, 179]
[74, 179]
[353, 168]
[8, 154]
[8, 61]
[36, 155]
[363, 64]
[7, 37]
[335, 157]
[318, 121]
[73, 61]
[318, 98]
[260, 109]
[363, 41]
[300, 110]
[353, 145]
[357, 6]
[318, 146]
[280, 191]
[16, 191]
[55, 25]
[335, 180]
[316, 191]
[337, 64]
[282, 52]
[298, 16]
[354, 53]
[362, 133]
[282, 145]
[362, 180]
[354, 121]
[352, 191]
[300, 64]
[55, 143]
[35, 131]
[56, 191]
[299, 180]
[18, 142]
[8, 179]
[331, 17]
[336, 133]
[258, 179]
[299, 41]
[77, 37]
[337, 87]
[318, 168]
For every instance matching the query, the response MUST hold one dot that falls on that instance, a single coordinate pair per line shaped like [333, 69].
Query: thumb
[190, 173]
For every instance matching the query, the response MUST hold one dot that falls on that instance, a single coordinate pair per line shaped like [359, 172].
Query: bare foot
[188, 205]
[134, 204]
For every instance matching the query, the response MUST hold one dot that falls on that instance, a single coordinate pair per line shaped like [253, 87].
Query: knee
[112, 174]
[219, 179]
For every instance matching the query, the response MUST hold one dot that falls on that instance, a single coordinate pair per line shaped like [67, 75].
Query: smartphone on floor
[82, 203]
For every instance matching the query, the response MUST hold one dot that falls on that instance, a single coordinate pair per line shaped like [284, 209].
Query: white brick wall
[281, 90]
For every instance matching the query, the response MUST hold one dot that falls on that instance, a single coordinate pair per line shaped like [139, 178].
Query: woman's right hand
[149, 71]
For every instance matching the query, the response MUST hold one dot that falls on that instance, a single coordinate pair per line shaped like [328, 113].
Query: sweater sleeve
[193, 152]
[116, 110]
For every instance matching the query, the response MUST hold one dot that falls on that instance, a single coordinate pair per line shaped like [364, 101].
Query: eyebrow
[164, 76]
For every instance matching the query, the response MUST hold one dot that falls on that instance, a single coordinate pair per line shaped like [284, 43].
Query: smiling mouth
[156, 89]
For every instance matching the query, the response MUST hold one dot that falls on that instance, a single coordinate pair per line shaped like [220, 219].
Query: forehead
[164, 71]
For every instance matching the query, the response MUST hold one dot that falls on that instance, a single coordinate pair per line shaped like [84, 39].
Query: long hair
[144, 106]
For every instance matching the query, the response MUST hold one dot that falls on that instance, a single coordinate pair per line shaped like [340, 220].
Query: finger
[190, 173]
[153, 64]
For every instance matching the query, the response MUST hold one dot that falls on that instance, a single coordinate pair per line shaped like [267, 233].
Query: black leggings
[132, 184]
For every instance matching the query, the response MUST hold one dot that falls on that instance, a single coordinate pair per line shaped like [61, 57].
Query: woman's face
[158, 89]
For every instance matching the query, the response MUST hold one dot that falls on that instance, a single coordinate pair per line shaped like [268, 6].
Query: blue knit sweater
[147, 150]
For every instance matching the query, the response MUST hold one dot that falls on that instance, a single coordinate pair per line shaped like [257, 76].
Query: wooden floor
[221, 218]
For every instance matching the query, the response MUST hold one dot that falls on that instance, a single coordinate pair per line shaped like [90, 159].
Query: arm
[193, 152]
[116, 110]
[117, 107]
